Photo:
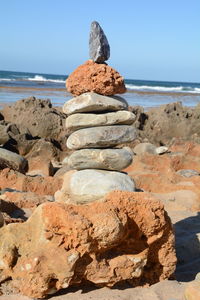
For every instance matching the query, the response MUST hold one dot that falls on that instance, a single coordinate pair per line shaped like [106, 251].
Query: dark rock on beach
[13, 161]
[161, 124]
[98, 44]
[41, 119]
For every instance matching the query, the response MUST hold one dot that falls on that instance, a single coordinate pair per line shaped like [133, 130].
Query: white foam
[6, 79]
[154, 88]
[40, 78]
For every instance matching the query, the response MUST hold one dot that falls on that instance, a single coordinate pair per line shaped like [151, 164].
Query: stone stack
[97, 122]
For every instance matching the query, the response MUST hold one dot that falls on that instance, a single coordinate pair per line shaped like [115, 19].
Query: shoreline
[127, 92]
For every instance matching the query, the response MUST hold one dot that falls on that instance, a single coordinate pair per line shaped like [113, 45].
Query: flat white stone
[92, 102]
[83, 120]
[162, 150]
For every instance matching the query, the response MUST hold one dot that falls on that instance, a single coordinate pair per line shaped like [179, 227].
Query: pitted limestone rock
[101, 242]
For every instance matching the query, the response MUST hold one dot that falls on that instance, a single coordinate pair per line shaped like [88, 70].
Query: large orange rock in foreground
[94, 77]
[128, 236]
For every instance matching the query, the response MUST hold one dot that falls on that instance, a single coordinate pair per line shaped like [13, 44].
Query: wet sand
[58, 96]
[15, 89]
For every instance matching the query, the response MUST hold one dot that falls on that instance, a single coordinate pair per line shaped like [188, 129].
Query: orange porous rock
[94, 77]
[127, 236]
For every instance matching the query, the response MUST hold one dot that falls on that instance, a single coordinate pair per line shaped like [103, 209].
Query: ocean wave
[162, 88]
[43, 79]
[37, 78]
[156, 88]
[6, 79]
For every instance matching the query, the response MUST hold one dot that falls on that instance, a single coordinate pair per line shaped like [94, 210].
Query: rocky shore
[99, 200]
[34, 160]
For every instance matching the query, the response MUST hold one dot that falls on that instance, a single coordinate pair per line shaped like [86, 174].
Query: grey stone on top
[99, 48]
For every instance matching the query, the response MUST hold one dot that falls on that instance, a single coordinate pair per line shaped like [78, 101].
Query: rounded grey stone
[13, 161]
[188, 173]
[92, 102]
[101, 137]
[83, 120]
[107, 159]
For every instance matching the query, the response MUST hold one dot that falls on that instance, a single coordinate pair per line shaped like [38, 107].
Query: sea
[147, 93]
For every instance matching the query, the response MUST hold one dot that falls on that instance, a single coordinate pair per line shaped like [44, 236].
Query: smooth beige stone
[101, 137]
[107, 159]
[91, 184]
[144, 148]
[92, 102]
[78, 121]
[162, 150]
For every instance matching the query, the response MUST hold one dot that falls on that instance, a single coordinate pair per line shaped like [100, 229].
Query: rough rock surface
[161, 124]
[38, 116]
[92, 102]
[17, 206]
[108, 159]
[36, 184]
[101, 137]
[91, 184]
[13, 161]
[40, 165]
[98, 44]
[127, 237]
[4, 136]
[78, 121]
[1, 220]
[94, 77]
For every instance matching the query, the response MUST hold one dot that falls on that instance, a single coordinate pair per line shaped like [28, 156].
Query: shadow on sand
[187, 233]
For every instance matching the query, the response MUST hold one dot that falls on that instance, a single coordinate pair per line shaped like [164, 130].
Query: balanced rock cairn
[96, 124]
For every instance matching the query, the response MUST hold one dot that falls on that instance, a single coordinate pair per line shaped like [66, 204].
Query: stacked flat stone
[97, 123]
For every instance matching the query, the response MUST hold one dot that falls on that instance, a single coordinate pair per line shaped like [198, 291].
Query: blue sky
[149, 39]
